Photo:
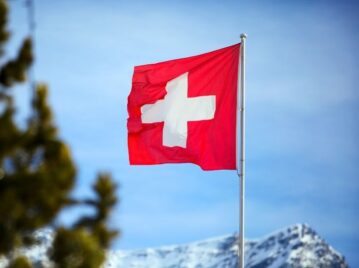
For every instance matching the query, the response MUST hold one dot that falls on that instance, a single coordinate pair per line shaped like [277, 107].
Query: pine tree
[37, 174]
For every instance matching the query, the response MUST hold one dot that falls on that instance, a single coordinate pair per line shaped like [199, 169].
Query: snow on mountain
[296, 246]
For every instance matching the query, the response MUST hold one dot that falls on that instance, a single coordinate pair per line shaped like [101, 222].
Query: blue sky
[302, 112]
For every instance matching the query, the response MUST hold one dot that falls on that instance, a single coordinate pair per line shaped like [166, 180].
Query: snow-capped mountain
[295, 246]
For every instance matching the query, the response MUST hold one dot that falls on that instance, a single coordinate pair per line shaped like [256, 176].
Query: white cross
[176, 109]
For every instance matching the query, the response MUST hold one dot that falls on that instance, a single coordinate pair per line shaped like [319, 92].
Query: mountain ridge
[297, 246]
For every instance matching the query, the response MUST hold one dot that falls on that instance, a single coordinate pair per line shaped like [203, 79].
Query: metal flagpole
[241, 165]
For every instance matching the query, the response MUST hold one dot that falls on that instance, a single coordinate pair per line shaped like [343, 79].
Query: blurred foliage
[102, 204]
[20, 262]
[37, 174]
[77, 248]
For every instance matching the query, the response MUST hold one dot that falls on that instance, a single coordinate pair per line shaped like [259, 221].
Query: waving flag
[184, 111]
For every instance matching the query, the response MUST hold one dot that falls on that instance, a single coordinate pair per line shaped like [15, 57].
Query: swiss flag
[184, 111]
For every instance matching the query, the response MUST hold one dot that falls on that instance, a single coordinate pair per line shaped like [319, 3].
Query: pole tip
[243, 36]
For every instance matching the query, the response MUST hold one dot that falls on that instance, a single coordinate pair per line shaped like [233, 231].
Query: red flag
[184, 111]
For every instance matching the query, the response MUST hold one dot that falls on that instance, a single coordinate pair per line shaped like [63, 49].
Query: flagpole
[241, 166]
